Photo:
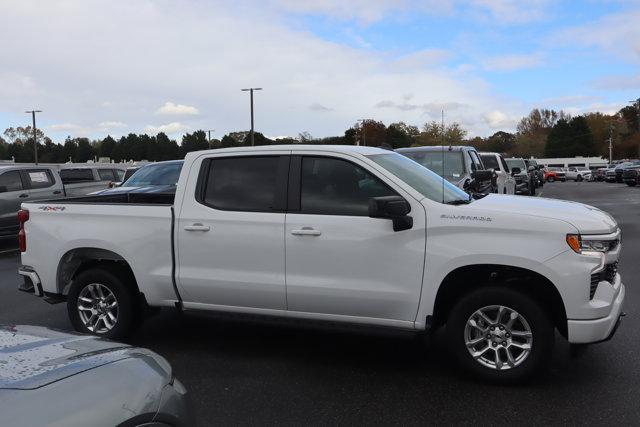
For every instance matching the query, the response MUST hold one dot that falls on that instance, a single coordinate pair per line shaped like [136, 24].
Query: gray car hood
[32, 356]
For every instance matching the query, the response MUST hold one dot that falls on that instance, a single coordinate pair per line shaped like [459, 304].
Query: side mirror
[394, 208]
[482, 175]
[515, 171]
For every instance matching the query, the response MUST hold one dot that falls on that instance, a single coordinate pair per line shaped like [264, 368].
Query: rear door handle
[306, 231]
[23, 195]
[57, 192]
[197, 227]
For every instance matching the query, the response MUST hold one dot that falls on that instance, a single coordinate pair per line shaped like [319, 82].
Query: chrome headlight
[591, 243]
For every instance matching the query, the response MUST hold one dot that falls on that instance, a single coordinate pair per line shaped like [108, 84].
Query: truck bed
[136, 229]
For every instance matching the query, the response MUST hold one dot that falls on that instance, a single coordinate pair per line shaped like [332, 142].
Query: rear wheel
[551, 179]
[100, 304]
[579, 178]
[500, 335]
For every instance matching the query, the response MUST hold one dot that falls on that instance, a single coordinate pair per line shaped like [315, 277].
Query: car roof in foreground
[356, 149]
[435, 148]
[33, 356]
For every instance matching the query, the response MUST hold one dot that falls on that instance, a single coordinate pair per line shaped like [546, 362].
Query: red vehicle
[554, 174]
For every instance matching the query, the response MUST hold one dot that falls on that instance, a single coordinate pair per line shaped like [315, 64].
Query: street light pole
[35, 134]
[250, 90]
[364, 132]
[209, 139]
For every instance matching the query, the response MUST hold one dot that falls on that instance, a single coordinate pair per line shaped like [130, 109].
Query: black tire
[579, 178]
[538, 319]
[631, 183]
[550, 179]
[125, 318]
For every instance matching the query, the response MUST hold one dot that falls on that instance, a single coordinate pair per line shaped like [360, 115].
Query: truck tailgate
[140, 234]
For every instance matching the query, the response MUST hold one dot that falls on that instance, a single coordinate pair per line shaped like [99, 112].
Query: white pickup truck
[357, 235]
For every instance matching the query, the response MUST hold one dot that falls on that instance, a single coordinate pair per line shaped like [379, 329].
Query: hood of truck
[33, 356]
[587, 219]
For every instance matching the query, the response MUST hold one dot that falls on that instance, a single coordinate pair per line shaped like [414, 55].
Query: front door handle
[197, 227]
[57, 192]
[23, 195]
[306, 231]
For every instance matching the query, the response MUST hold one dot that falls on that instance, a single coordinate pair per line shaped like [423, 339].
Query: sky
[175, 66]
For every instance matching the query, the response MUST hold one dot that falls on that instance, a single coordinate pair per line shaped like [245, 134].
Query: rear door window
[10, 181]
[254, 184]
[119, 173]
[106, 175]
[71, 176]
[39, 178]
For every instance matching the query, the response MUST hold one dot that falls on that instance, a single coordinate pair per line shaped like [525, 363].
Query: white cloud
[512, 62]
[319, 107]
[169, 108]
[66, 127]
[498, 120]
[111, 125]
[170, 128]
[617, 33]
[514, 11]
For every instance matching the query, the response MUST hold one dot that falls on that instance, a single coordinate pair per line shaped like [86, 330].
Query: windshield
[433, 160]
[156, 174]
[490, 161]
[517, 163]
[427, 183]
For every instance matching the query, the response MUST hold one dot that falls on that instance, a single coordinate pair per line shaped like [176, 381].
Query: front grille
[607, 275]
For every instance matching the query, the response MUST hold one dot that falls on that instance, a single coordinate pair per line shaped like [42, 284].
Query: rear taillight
[23, 216]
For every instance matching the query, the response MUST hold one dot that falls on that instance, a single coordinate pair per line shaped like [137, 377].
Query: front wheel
[500, 335]
[99, 303]
[550, 179]
[579, 178]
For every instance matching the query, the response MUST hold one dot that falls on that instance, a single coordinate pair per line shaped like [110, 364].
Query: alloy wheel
[498, 337]
[98, 308]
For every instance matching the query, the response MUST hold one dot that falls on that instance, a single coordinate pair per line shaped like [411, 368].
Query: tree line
[542, 133]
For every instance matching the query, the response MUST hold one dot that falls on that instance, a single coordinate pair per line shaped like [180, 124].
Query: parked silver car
[82, 180]
[21, 183]
[51, 378]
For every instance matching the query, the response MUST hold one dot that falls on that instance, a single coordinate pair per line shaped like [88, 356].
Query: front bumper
[595, 330]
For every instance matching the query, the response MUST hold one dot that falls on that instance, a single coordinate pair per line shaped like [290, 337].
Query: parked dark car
[631, 175]
[615, 174]
[160, 178]
[52, 378]
[537, 170]
[460, 165]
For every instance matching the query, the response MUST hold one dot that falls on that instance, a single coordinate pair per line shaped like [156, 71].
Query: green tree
[434, 133]
[500, 142]
[84, 151]
[570, 138]
[167, 148]
[401, 135]
[106, 147]
[194, 142]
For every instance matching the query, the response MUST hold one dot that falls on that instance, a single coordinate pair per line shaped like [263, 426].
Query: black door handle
[57, 192]
[23, 195]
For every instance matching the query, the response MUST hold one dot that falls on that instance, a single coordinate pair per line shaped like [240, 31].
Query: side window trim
[280, 200]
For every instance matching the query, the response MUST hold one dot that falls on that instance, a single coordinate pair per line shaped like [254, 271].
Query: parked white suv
[356, 235]
[578, 173]
[505, 181]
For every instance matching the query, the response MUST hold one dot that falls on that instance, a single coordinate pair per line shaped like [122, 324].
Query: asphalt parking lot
[239, 372]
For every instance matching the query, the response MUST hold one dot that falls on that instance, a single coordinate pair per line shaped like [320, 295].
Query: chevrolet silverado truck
[343, 234]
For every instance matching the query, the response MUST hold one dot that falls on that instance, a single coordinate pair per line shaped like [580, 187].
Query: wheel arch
[464, 279]
[77, 260]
